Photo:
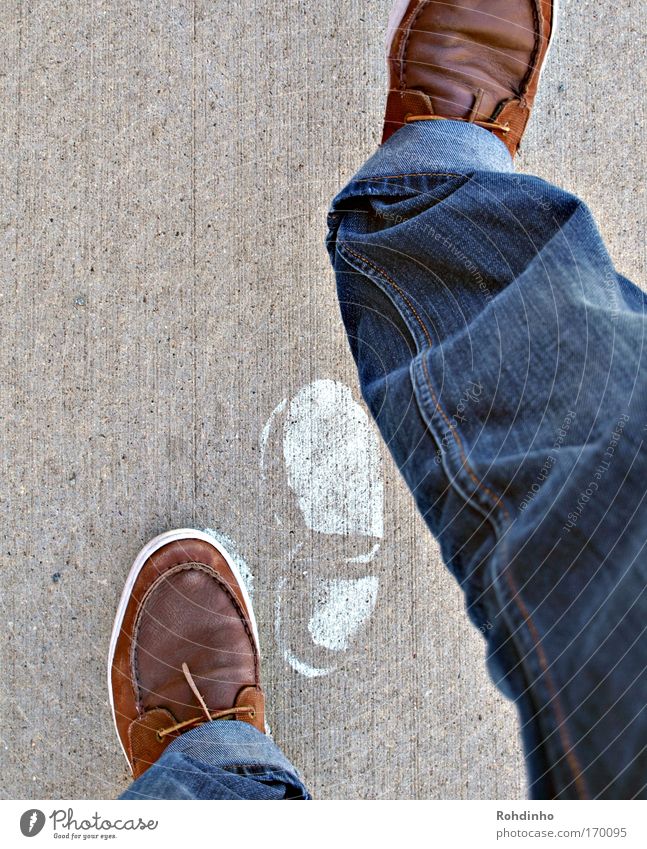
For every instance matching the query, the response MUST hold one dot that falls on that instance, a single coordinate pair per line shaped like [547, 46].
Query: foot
[475, 60]
[184, 647]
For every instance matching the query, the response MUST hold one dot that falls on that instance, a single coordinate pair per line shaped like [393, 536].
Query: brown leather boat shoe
[184, 647]
[472, 60]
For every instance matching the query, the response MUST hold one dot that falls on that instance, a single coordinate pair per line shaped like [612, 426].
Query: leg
[501, 356]
[220, 760]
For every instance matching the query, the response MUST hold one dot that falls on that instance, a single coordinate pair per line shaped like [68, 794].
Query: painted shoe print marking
[322, 454]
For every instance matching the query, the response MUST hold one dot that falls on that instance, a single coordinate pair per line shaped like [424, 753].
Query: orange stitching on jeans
[479, 483]
[457, 439]
[571, 757]
[383, 273]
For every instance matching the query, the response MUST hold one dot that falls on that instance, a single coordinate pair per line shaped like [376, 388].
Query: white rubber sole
[149, 549]
[553, 30]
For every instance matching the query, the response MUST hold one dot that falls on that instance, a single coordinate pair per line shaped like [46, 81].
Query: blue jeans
[500, 354]
[220, 760]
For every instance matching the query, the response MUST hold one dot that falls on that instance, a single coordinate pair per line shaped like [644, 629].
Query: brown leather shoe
[471, 60]
[184, 647]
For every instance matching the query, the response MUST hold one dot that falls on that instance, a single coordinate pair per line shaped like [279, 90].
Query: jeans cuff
[230, 743]
[430, 147]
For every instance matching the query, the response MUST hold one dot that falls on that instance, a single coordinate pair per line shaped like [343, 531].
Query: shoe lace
[488, 125]
[209, 715]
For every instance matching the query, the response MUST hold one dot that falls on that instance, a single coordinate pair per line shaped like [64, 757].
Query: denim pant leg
[502, 358]
[220, 760]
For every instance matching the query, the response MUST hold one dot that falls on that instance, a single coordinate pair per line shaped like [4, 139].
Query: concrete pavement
[166, 170]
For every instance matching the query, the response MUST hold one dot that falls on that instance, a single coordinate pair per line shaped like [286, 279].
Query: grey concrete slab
[165, 174]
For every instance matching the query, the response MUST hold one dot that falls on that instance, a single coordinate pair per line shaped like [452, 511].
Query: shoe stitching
[183, 567]
[533, 69]
[539, 39]
[405, 44]
[570, 755]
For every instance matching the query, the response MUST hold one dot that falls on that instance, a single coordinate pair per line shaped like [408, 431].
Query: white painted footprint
[324, 447]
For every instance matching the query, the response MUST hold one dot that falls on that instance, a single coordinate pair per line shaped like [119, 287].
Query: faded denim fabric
[220, 760]
[502, 357]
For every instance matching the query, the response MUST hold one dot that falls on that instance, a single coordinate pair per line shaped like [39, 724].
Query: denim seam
[498, 503]
[495, 500]
[562, 729]
[343, 248]
[515, 597]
